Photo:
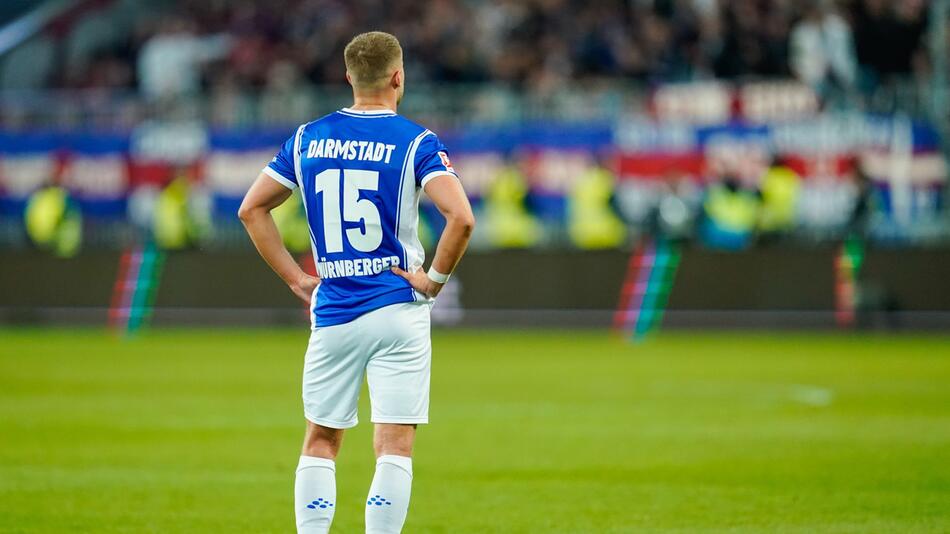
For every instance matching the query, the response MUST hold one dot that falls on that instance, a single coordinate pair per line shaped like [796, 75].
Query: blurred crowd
[201, 45]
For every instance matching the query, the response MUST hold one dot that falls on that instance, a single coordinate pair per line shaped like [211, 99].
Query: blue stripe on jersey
[351, 168]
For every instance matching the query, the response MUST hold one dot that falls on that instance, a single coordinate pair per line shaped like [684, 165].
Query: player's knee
[394, 439]
[321, 441]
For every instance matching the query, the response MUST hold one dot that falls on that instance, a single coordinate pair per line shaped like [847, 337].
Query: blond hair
[370, 59]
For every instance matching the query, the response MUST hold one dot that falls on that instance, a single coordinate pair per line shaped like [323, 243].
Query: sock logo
[378, 501]
[320, 503]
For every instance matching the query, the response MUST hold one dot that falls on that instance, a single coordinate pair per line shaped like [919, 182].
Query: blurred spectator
[286, 97]
[755, 39]
[592, 223]
[822, 49]
[169, 63]
[535, 45]
[104, 70]
[731, 210]
[889, 37]
[780, 189]
[508, 221]
[230, 103]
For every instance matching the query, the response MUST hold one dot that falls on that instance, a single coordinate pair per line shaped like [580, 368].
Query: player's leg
[393, 439]
[315, 480]
[388, 501]
[333, 374]
[321, 441]
[398, 376]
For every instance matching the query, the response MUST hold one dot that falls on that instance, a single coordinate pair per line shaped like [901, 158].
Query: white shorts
[391, 346]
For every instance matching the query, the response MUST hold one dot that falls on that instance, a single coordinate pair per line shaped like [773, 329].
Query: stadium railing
[447, 105]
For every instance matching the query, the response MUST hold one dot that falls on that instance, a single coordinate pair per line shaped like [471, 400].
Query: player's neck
[374, 102]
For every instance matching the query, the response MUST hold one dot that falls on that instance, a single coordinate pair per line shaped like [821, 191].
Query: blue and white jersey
[360, 174]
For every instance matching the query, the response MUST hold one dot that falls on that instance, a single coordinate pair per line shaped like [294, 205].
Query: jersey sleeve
[281, 168]
[432, 159]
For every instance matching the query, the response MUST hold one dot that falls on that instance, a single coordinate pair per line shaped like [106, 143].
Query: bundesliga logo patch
[446, 161]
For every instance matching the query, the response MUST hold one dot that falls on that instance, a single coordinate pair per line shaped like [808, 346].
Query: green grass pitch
[185, 431]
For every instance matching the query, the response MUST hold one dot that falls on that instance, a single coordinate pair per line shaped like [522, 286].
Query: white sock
[388, 499]
[315, 494]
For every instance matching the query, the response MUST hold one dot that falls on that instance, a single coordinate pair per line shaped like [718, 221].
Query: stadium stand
[533, 44]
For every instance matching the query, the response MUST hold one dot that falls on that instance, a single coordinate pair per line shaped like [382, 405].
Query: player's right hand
[304, 287]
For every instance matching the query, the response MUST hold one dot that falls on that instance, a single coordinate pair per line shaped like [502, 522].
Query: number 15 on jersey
[354, 209]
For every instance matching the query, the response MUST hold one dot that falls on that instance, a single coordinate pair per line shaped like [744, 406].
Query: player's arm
[266, 194]
[447, 194]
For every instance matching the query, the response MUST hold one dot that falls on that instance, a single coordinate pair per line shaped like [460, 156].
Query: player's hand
[420, 281]
[304, 287]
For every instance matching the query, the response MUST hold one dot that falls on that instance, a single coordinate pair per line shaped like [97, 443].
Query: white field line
[812, 395]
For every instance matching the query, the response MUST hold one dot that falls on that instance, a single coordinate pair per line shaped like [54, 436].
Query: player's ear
[396, 80]
[348, 79]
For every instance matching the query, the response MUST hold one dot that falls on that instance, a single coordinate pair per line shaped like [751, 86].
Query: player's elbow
[468, 223]
[465, 221]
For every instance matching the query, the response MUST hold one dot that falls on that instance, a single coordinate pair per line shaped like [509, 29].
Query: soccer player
[360, 171]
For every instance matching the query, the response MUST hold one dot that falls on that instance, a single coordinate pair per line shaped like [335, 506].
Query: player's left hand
[304, 287]
[420, 281]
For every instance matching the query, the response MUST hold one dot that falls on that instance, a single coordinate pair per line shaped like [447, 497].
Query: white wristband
[437, 277]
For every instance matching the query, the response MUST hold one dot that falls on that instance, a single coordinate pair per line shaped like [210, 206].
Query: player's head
[374, 63]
